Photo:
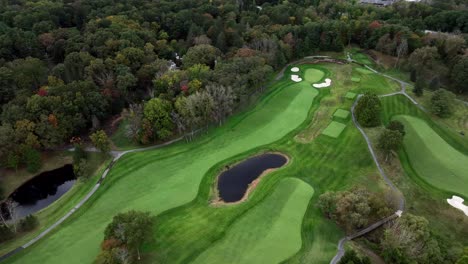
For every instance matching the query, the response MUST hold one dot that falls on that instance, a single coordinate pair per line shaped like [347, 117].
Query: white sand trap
[457, 202]
[296, 78]
[295, 69]
[323, 85]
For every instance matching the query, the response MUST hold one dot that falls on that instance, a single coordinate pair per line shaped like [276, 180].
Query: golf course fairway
[268, 233]
[165, 178]
[433, 159]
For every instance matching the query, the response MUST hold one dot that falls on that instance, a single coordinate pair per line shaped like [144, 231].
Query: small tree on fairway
[131, 229]
[442, 103]
[368, 110]
[389, 141]
[397, 126]
[101, 141]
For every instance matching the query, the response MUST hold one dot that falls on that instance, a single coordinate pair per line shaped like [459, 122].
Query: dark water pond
[42, 190]
[233, 183]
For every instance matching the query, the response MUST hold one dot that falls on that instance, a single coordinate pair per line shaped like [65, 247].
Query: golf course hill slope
[155, 181]
[270, 232]
[433, 159]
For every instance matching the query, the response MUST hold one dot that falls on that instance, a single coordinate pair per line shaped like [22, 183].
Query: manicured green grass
[363, 70]
[422, 198]
[373, 83]
[313, 75]
[334, 129]
[341, 115]
[434, 159]
[270, 232]
[163, 179]
[350, 95]
[176, 183]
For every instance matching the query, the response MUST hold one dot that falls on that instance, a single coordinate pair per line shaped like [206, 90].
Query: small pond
[234, 182]
[42, 190]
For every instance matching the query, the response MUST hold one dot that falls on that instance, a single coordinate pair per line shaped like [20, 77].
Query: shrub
[442, 103]
[28, 223]
[397, 126]
[33, 160]
[5, 233]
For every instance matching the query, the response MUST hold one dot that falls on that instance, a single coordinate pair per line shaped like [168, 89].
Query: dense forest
[176, 66]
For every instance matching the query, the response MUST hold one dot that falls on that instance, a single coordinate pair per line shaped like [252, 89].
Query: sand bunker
[457, 202]
[324, 84]
[296, 78]
[295, 69]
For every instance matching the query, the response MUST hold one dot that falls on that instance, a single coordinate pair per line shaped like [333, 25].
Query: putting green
[313, 75]
[268, 233]
[433, 159]
[334, 129]
[165, 178]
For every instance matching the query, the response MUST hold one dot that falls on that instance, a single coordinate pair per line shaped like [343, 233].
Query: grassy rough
[433, 158]
[277, 238]
[334, 129]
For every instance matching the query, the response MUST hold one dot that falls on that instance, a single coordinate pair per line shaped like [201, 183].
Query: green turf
[350, 95]
[434, 159]
[364, 71]
[334, 129]
[156, 181]
[176, 183]
[313, 75]
[268, 233]
[341, 115]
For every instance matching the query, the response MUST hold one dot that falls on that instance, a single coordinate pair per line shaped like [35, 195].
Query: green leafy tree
[201, 54]
[101, 141]
[368, 110]
[157, 112]
[397, 126]
[327, 203]
[409, 238]
[460, 75]
[464, 257]
[33, 160]
[442, 102]
[350, 257]
[132, 228]
[389, 141]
